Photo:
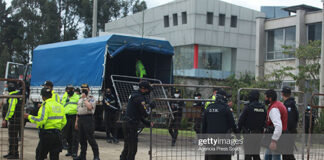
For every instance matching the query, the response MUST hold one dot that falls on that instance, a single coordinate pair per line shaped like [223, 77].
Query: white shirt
[276, 121]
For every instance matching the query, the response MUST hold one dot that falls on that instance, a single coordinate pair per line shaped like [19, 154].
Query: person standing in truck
[140, 69]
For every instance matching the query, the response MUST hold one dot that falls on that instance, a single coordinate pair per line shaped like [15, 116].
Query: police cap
[84, 86]
[196, 94]
[286, 90]
[48, 83]
[11, 87]
[69, 86]
[145, 85]
[177, 91]
[46, 92]
[254, 95]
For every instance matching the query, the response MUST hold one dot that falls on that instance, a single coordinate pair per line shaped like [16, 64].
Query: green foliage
[139, 6]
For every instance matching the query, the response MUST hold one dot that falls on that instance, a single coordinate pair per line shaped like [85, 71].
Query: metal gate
[300, 140]
[4, 131]
[315, 148]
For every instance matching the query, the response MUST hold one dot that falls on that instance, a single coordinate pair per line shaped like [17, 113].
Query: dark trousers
[251, 145]
[14, 127]
[218, 157]
[130, 141]
[111, 121]
[71, 134]
[291, 145]
[174, 127]
[86, 128]
[252, 157]
[49, 142]
[197, 126]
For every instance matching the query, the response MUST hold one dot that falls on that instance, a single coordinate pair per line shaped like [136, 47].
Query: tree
[139, 6]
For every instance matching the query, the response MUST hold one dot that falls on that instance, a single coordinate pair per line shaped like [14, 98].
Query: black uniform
[136, 112]
[252, 121]
[307, 118]
[111, 115]
[174, 126]
[218, 119]
[199, 107]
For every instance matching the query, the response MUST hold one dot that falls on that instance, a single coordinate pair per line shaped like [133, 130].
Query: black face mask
[108, 94]
[70, 93]
[267, 102]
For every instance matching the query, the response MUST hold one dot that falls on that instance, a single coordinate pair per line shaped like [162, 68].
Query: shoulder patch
[143, 103]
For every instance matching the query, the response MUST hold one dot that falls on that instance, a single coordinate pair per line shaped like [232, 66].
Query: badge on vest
[213, 110]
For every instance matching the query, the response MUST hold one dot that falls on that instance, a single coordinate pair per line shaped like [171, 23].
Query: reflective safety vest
[50, 116]
[140, 69]
[207, 103]
[71, 104]
[12, 103]
[56, 97]
[65, 95]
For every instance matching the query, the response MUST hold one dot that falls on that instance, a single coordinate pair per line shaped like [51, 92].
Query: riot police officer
[218, 119]
[252, 121]
[177, 107]
[111, 114]
[137, 110]
[199, 109]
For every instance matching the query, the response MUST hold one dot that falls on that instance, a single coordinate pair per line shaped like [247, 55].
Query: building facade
[212, 39]
[293, 31]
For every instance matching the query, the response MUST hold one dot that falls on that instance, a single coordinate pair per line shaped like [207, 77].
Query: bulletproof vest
[290, 104]
[133, 112]
[216, 117]
[256, 116]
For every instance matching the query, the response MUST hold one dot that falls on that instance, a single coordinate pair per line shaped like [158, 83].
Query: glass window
[183, 57]
[215, 58]
[221, 19]
[315, 31]
[278, 38]
[210, 17]
[184, 17]
[166, 21]
[175, 19]
[234, 21]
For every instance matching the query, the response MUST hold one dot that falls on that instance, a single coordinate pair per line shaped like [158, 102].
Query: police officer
[85, 123]
[213, 97]
[77, 91]
[111, 114]
[50, 85]
[307, 118]
[137, 110]
[293, 116]
[140, 69]
[199, 108]
[50, 121]
[70, 104]
[13, 116]
[176, 107]
[218, 119]
[252, 121]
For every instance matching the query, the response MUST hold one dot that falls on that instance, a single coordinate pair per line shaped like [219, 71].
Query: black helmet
[46, 92]
[145, 85]
[196, 94]
[254, 95]
[11, 87]
[286, 90]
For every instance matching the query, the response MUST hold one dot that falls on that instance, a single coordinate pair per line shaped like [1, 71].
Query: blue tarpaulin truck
[94, 60]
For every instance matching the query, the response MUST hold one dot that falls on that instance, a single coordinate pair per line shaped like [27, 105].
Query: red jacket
[283, 114]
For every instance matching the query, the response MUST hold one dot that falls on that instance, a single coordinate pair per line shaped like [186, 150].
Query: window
[278, 38]
[166, 21]
[184, 17]
[215, 58]
[183, 57]
[221, 20]
[175, 19]
[314, 32]
[210, 17]
[234, 21]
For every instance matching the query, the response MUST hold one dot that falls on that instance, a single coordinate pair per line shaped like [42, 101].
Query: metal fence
[16, 124]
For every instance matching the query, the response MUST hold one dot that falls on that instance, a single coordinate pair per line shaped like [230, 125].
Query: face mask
[267, 102]
[196, 97]
[177, 95]
[5, 89]
[70, 93]
[108, 93]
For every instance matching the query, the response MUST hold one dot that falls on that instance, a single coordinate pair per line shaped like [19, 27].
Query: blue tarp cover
[82, 61]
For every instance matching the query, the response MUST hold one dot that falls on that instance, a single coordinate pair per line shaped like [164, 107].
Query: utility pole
[321, 87]
[94, 18]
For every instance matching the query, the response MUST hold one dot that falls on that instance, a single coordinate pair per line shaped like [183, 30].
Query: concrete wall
[197, 31]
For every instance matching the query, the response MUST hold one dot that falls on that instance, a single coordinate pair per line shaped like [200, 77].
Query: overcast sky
[253, 4]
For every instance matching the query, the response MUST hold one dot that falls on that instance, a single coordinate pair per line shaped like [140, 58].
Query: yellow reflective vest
[207, 103]
[50, 116]
[140, 69]
[11, 106]
[71, 104]
[56, 97]
[65, 95]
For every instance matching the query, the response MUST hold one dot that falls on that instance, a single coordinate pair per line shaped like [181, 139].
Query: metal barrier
[3, 138]
[174, 137]
[301, 107]
[315, 140]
